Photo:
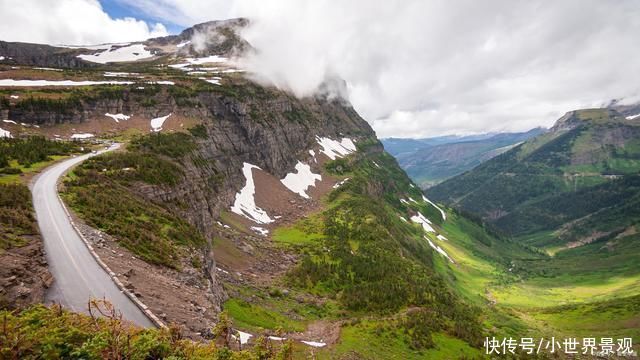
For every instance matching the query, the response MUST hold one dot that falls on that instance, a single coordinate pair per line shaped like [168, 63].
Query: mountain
[227, 202]
[575, 184]
[433, 160]
[573, 194]
[255, 224]
[215, 37]
[398, 146]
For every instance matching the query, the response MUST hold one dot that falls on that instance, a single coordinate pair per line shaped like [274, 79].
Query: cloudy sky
[414, 68]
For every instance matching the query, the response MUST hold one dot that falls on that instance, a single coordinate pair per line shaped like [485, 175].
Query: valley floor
[592, 291]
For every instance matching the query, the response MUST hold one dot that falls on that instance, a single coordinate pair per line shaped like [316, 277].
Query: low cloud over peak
[423, 68]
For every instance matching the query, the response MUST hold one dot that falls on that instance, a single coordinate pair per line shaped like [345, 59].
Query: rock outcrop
[24, 277]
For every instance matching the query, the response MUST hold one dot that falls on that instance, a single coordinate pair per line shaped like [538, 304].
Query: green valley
[198, 196]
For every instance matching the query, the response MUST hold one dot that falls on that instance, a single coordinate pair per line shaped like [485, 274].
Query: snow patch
[121, 74]
[11, 82]
[82, 136]
[277, 338]
[10, 122]
[260, 230]
[118, 117]
[161, 82]
[314, 343]
[94, 47]
[121, 54]
[444, 216]
[183, 44]
[313, 155]
[426, 224]
[376, 164]
[301, 180]
[229, 71]
[631, 117]
[156, 123]
[46, 69]
[5, 133]
[199, 61]
[402, 218]
[245, 203]
[244, 337]
[439, 250]
[214, 80]
[338, 184]
[14, 96]
[442, 237]
[1, 58]
[334, 149]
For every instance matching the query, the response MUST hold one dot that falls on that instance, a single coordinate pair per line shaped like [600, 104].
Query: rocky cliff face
[244, 123]
[24, 277]
[213, 37]
[241, 122]
[41, 55]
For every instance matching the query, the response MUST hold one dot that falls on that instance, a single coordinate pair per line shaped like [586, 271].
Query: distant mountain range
[432, 160]
[575, 184]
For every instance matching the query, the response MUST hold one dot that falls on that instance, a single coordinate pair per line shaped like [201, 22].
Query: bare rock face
[243, 122]
[42, 55]
[209, 38]
[24, 277]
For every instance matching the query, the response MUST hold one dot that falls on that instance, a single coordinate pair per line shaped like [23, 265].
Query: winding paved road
[78, 277]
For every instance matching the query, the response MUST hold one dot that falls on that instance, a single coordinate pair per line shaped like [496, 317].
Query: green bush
[372, 262]
[53, 333]
[16, 216]
[27, 151]
[146, 229]
[133, 166]
[173, 145]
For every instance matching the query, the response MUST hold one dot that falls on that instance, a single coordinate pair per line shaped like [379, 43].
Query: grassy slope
[587, 291]
[26, 156]
[99, 191]
[53, 333]
[557, 178]
[17, 158]
[363, 262]
[16, 216]
[521, 291]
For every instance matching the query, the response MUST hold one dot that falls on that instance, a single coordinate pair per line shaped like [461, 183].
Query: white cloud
[427, 67]
[422, 68]
[77, 22]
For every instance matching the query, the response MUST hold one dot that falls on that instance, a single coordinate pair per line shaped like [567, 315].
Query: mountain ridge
[585, 148]
[433, 160]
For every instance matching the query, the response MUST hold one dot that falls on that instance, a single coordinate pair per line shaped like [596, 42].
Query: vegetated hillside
[228, 195]
[431, 161]
[572, 185]
[24, 277]
[243, 216]
[41, 332]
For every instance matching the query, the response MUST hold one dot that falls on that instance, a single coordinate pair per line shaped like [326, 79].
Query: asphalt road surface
[77, 276]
